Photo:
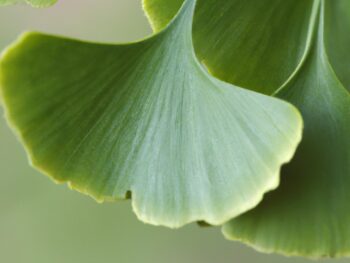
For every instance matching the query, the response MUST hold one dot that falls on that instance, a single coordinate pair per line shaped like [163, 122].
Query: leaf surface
[309, 213]
[145, 120]
[226, 32]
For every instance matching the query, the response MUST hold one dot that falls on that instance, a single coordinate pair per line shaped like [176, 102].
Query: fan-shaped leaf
[145, 118]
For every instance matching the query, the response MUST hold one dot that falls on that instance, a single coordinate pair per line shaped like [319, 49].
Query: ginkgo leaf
[309, 213]
[145, 120]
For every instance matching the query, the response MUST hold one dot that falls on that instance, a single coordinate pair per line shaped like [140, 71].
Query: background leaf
[146, 118]
[35, 3]
[337, 38]
[309, 214]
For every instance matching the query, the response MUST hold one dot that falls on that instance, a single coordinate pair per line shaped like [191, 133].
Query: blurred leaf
[35, 3]
[298, 51]
[145, 118]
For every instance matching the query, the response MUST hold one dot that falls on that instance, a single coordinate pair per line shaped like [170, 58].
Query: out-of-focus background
[41, 222]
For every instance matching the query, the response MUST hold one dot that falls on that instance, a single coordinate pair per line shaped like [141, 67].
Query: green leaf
[161, 12]
[309, 213]
[35, 3]
[241, 44]
[145, 119]
[297, 51]
[337, 30]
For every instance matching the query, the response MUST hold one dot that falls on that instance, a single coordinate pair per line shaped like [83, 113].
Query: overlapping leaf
[146, 120]
[227, 31]
[303, 44]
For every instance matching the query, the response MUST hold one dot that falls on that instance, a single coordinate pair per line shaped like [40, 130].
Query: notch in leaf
[146, 117]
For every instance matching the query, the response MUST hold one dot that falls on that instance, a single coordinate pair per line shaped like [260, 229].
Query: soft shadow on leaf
[239, 43]
[146, 120]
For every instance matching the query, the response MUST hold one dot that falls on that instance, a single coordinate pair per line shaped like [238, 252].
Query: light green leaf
[161, 12]
[145, 118]
[35, 3]
[307, 49]
[309, 213]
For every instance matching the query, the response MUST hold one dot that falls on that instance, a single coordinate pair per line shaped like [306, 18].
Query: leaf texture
[239, 43]
[145, 120]
[299, 51]
[309, 214]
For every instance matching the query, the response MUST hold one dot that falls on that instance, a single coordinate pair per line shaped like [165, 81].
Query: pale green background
[41, 222]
